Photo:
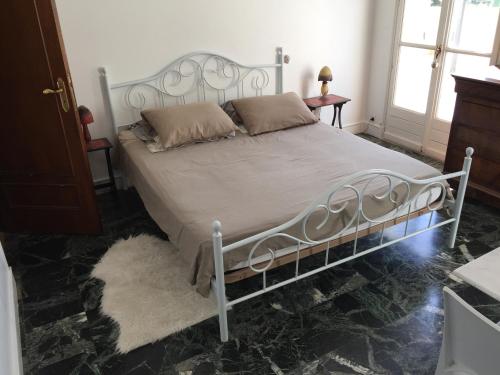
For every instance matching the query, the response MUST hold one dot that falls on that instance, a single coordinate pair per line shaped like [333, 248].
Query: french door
[435, 39]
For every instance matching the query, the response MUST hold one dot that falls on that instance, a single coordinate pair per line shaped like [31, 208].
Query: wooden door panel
[42, 196]
[26, 73]
[45, 180]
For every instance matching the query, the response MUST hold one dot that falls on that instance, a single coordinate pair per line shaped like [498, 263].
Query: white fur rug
[147, 292]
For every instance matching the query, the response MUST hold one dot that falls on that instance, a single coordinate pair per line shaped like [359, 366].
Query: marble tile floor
[381, 314]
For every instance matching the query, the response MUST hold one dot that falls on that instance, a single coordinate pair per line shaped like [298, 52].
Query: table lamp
[86, 118]
[325, 75]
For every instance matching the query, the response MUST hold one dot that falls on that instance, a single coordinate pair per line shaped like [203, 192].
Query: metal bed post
[457, 209]
[219, 280]
[279, 70]
[106, 93]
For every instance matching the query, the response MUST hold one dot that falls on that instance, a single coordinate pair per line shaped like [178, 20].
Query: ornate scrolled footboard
[348, 197]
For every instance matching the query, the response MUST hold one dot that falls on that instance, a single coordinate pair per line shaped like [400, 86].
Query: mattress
[253, 183]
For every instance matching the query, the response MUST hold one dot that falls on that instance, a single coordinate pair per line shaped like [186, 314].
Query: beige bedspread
[248, 183]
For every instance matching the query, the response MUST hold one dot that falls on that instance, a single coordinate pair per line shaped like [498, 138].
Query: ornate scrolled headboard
[195, 77]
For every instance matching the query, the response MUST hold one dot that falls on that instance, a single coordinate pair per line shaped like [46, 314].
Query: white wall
[382, 35]
[136, 38]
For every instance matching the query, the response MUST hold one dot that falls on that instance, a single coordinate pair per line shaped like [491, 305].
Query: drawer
[483, 172]
[477, 114]
[486, 144]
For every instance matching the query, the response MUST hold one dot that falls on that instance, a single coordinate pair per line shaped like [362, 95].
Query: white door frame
[435, 86]
[422, 139]
[406, 119]
[434, 125]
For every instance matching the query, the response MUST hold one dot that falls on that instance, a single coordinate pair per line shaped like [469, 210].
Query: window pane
[413, 78]
[421, 21]
[473, 25]
[463, 65]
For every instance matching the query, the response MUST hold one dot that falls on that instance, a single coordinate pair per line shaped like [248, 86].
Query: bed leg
[457, 210]
[219, 280]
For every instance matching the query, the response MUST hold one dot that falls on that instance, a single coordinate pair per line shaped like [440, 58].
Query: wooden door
[45, 180]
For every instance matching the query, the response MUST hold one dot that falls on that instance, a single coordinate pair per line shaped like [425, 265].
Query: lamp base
[86, 133]
[324, 88]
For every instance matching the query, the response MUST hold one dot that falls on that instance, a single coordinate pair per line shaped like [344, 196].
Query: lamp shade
[85, 115]
[86, 118]
[325, 74]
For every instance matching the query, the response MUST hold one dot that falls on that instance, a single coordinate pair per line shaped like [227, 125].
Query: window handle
[437, 52]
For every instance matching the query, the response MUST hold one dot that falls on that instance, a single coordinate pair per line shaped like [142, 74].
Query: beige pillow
[188, 123]
[262, 114]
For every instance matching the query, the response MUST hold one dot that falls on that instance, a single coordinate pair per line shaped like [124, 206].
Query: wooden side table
[98, 145]
[324, 101]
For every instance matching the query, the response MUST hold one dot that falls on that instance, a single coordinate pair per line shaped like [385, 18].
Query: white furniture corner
[471, 342]
[483, 273]
[10, 343]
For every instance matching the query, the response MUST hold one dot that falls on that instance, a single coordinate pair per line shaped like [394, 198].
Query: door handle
[50, 91]
[437, 52]
[61, 90]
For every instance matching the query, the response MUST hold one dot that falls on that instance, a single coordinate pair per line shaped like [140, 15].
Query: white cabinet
[10, 350]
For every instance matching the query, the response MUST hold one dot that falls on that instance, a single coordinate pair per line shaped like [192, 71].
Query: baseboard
[374, 129]
[414, 146]
[118, 181]
[356, 127]
[433, 153]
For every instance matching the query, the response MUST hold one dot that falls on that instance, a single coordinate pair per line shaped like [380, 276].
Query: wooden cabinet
[476, 123]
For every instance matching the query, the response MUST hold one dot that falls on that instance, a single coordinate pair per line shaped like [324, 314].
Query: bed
[281, 195]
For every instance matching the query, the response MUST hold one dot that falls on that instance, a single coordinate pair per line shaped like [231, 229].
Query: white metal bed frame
[326, 204]
[194, 77]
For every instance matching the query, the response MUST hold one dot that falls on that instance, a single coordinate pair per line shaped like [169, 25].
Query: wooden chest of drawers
[476, 123]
